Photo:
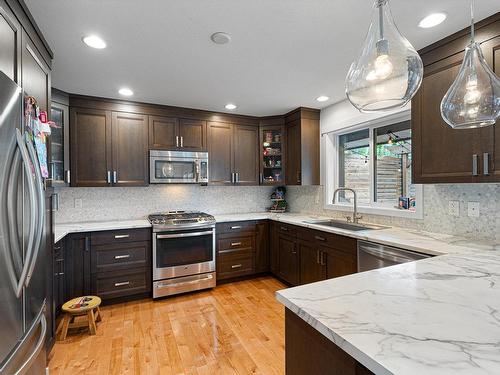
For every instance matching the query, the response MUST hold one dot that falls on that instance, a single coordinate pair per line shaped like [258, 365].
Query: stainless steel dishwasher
[373, 255]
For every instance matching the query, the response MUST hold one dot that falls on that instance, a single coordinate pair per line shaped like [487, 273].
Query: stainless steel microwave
[178, 167]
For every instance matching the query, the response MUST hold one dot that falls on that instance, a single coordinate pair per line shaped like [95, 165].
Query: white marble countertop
[424, 242]
[439, 315]
[61, 230]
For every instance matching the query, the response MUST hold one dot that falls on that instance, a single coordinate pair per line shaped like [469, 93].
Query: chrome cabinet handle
[474, 165]
[323, 258]
[108, 177]
[87, 243]
[176, 141]
[122, 256]
[237, 175]
[182, 141]
[115, 177]
[122, 283]
[232, 178]
[319, 238]
[118, 236]
[236, 227]
[284, 229]
[486, 164]
[261, 177]
[317, 257]
[68, 176]
[236, 266]
[235, 243]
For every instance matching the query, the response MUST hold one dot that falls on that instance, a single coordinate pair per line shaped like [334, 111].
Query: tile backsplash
[101, 204]
[309, 199]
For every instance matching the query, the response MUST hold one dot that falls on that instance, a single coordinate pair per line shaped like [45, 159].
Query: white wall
[342, 115]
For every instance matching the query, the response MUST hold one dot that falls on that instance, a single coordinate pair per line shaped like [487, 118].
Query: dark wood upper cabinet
[129, 137]
[440, 153]
[10, 43]
[90, 147]
[36, 74]
[162, 133]
[233, 154]
[302, 147]
[108, 148]
[246, 161]
[169, 133]
[272, 150]
[220, 150]
[193, 135]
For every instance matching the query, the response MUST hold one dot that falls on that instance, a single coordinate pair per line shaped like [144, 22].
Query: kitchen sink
[347, 226]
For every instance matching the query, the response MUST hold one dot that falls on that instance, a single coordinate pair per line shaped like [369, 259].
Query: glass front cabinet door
[59, 142]
[272, 153]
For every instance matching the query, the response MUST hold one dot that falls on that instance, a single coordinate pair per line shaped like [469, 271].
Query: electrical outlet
[473, 209]
[454, 208]
[78, 203]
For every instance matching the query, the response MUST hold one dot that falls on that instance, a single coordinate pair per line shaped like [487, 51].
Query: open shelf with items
[272, 155]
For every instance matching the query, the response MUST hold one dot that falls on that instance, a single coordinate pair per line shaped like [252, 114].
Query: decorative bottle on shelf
[279, 204]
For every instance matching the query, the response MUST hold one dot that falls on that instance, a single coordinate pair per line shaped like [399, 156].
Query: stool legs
[98, 318]
[65, 326]
[92, 327]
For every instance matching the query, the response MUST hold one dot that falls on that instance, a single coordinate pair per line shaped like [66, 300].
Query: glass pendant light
[389, 71]
[473, 100]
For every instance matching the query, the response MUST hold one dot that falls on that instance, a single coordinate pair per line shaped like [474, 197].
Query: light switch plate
[454, 208]
[473, 209]
[78, 203]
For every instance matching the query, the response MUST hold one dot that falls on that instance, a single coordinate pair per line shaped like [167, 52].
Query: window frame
[332, 171]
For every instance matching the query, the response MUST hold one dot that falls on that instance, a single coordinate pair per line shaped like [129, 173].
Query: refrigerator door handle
[18, 287]
[40, 225]
[42, 321]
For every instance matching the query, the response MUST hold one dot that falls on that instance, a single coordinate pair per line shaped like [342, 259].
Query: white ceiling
[283, 54]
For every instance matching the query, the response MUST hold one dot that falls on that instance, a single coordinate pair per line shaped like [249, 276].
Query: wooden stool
[88, 305]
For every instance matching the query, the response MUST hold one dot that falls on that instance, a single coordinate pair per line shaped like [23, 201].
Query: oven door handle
[179, 235]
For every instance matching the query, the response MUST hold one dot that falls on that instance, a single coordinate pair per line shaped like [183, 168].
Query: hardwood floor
[236, 328]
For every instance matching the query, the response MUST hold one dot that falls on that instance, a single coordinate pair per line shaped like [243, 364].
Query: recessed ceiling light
[231, 106]
[220, 38]
[125, 91]
[322, 98]
[94, 41]
[432, 20]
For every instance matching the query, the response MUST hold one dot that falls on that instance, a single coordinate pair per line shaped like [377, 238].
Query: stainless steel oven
[183, 253]
[178, 167]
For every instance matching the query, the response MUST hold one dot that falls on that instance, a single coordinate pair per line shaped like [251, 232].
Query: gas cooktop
[180, 220]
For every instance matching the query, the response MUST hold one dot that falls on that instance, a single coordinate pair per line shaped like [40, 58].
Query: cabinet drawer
[120, 236]
[235, 265]
[109, 285]
[120, 256]
[346, 244]
[236, 227]
[287, 229]
[227, 245]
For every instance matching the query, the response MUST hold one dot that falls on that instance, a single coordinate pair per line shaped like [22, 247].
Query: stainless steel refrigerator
[23, 242]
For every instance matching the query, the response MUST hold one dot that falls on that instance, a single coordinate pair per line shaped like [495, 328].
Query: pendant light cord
[472, 31]
[381, 19]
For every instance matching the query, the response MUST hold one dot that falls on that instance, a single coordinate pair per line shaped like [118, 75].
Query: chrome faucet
[355, 216]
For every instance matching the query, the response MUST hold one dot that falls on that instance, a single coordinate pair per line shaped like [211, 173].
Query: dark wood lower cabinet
[312, 263]
[242, 249]
[77, 262]
[109, 264]
[300, 255]
[308, 352]
[288, 259]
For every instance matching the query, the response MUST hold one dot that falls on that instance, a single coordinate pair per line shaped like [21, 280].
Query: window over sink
[375, 160]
